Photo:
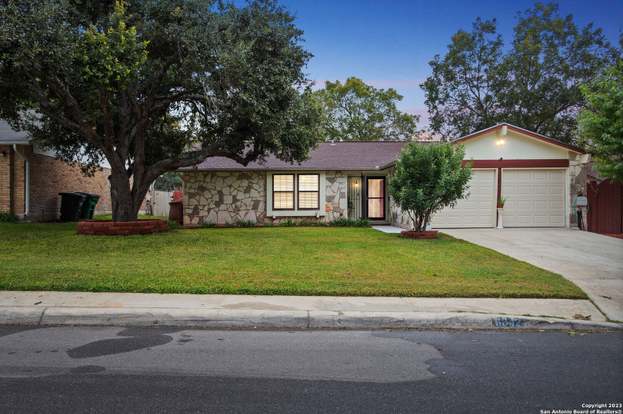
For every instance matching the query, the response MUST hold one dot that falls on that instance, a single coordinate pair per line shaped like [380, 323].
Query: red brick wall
[12, 174]
[49, 176]
[4, 178]
[19, 195]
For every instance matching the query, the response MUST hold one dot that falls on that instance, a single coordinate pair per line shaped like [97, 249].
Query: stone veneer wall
[578, 178]
[397, 217]
[336, 202]
[224, 198]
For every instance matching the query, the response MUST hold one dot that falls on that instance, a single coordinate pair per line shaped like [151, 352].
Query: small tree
[427, 178]
[601, 123]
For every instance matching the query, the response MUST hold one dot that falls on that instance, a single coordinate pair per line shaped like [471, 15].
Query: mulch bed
[120, 228]
[410, 234]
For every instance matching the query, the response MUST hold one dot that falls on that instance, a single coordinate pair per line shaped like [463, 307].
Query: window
[309, 191]
[376, 198]
[283, 192]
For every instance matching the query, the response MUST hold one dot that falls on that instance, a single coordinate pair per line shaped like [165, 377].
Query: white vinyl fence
[160, 203]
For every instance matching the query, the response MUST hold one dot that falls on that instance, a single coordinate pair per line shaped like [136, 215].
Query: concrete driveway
[592, 261]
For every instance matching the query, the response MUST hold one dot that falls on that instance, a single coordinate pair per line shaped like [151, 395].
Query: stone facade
[336, 202]
[397, 217]
[224, 198]
[48, 177]
[579, 171]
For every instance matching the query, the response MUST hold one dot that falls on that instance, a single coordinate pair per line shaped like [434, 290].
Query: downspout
[26, 180]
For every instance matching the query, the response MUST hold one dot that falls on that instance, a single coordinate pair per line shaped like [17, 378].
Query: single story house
[31, 178]
[349, 179]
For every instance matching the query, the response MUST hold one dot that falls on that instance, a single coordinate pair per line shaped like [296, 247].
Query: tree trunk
[124, 206]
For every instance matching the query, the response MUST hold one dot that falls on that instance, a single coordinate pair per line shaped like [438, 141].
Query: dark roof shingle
[338, 156]
[10, 136]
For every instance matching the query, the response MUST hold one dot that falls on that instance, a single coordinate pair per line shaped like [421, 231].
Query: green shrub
[311, 223]
[173, 224]
[8, 218]
[427, 178]
[348, 222]
[245, 223]
[287, 223]
[340, 222]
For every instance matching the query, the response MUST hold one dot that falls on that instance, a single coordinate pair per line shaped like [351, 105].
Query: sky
[388, 43]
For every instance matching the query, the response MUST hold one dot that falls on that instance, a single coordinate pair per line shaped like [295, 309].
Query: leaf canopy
[154, 85]
[533, 83]
[356, 111]
[427, 178]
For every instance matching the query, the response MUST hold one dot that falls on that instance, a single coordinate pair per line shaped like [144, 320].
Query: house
[349, 179]
[31, 178]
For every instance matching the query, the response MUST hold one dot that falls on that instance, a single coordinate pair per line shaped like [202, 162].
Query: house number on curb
[508, 322]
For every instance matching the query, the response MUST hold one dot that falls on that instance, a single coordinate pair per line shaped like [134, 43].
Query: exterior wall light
[500, 142]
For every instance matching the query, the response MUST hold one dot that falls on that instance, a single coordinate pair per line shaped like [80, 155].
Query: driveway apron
[592, 261]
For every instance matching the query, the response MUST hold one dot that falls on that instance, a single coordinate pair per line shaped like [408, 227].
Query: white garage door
[534, 198]
[477, 210]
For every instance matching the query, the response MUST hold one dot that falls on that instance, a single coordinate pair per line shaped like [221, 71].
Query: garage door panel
[541, 205]
[477, 210]
[535, 198]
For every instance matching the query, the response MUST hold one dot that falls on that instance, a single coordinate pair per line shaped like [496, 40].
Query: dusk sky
[389, 43]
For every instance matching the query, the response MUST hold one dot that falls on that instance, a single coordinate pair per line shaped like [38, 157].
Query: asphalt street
[153, 370]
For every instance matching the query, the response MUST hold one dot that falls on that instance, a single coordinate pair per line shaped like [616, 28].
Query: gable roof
[521, 131]
[327, 156]
[9, 136]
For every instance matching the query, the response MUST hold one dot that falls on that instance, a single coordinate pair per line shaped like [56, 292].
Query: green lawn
[269, 260]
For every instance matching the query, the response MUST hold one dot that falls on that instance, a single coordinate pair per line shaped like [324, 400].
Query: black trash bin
[88, 207]
[71, 205]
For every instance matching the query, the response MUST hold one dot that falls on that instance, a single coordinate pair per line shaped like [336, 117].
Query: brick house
[31, 178]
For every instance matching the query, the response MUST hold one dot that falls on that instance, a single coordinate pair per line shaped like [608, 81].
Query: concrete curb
[299, 319]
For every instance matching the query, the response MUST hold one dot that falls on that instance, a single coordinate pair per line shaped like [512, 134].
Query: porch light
[499, 142]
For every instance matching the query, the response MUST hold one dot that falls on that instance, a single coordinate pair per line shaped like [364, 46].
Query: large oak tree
[154, 85]
[534, 83]
[356, 111]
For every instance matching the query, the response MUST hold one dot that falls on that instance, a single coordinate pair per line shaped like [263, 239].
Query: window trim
[298, 192]
[271, 212]
[383, 197]
[294, 181]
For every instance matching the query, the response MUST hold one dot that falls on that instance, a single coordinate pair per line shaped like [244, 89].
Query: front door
[375, 194]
